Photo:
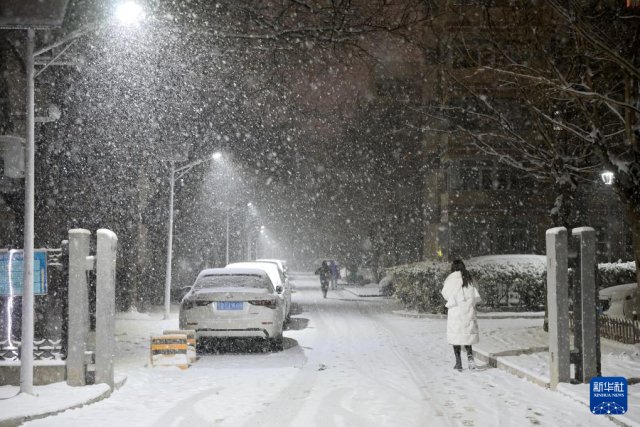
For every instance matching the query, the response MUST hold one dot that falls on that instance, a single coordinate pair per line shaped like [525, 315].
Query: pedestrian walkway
[521, 349]
[524, 352]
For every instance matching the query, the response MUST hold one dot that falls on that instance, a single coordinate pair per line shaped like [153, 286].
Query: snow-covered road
[348, 361]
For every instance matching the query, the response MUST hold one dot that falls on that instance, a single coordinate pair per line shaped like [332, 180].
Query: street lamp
[607, 177]
[129, 13]
[11, 18]
[177, 173]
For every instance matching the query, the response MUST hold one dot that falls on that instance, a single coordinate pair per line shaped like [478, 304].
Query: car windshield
[233, 281]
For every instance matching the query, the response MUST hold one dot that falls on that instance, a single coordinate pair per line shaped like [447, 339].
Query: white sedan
[276, 277]
[234, 302]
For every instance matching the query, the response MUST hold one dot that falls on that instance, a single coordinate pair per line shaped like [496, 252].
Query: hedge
[516, 281]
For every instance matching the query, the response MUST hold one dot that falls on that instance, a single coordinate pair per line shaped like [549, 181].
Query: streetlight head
[607, 177]
[249, 204]
[129, 13]
[216, 156]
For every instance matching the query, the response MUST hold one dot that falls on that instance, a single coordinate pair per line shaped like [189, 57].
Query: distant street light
[607, 177]
[181, 171]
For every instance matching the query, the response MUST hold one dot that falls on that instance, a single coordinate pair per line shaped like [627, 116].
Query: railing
[45, 349]
[614, 328]
[622, 330]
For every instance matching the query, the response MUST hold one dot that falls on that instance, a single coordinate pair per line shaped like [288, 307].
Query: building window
[467, 175]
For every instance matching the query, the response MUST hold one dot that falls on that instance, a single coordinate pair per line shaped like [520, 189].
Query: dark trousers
[457, 348]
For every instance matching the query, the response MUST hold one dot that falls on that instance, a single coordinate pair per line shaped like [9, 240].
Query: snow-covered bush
[501, 280]
[418, 285]
[505, 280]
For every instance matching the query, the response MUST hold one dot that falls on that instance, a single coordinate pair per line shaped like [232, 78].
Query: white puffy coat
[462, 323]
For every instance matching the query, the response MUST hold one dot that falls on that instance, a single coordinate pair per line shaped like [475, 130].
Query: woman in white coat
[462, 324]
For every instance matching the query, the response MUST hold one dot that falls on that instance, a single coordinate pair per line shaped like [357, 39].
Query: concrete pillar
[587, 237]
[105, 305]
[558, 303]
[78, 306]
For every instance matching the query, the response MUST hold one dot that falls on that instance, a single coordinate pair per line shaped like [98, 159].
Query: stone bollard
[105, 305]
[78, 313]
[558, 303]
[589, 350]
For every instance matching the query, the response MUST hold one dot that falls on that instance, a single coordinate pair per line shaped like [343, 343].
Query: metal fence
[45, 349]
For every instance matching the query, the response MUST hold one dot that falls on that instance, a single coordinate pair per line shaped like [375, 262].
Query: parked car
[281, 265]
[277, 278]
[618, 300]
[234, 302]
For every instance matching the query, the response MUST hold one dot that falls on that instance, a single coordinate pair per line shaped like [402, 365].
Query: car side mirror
[279, 289]
[184, 291]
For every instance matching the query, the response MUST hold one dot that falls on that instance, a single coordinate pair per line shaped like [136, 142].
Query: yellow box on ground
[191, 341]
[169, 350]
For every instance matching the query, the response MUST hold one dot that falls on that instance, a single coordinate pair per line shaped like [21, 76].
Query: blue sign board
[12, 270]
[608, 395]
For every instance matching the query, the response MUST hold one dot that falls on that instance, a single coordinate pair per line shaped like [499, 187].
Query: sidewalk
[48, 400]
[516, 343]
[523, 351]
[132, 350]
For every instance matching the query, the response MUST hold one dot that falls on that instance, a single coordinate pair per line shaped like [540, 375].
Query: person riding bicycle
[325, 276]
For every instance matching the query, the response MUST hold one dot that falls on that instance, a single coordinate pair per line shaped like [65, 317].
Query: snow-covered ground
[348, 361]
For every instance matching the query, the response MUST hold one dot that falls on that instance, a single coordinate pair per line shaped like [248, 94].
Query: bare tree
[561, 95]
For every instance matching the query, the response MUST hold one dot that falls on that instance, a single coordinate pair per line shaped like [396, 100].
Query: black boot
[472, 363]
[456, 351]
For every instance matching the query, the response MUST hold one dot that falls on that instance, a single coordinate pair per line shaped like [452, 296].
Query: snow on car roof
[272, 270]
[234, 271]
[627, 288]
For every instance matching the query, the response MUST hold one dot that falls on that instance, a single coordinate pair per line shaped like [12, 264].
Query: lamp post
[607, 178]
[227, 255]
[248, 229]
[179, 173]
[35, 20]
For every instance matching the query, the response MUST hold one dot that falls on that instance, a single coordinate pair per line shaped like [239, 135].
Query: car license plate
[229, 305]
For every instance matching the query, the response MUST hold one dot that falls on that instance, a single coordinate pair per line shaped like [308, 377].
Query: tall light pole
[35, 20]
[181, 171]
[248, 229]
[608, 178]
[227, 256]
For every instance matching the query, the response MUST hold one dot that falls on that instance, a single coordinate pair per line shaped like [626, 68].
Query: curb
[495, 360]
[417, 315]
[16, 421]
[372, 295]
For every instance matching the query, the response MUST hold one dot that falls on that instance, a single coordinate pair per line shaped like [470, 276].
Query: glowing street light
[129, 13]
[607, 177]
[181, 171]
